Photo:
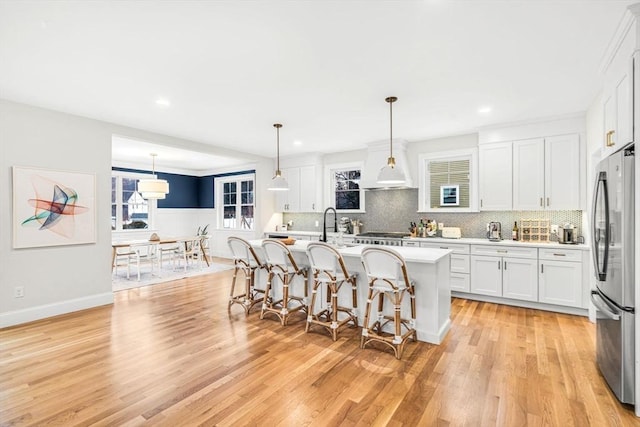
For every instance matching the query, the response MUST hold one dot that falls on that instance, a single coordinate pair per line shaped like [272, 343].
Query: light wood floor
[170, 355]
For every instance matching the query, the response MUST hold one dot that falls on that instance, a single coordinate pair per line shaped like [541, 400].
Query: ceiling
[322, 68]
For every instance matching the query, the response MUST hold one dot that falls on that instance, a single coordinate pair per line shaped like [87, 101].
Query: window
[129, 211]
[236, 199]
[448, 181]
[344, 182]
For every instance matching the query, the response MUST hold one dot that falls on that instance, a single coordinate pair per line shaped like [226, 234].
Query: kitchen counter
[429, 268]
[505, 242]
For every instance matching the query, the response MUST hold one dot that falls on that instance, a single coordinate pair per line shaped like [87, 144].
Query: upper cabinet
[617, 98]
[305, 191]
[531, 174]
[496, 169]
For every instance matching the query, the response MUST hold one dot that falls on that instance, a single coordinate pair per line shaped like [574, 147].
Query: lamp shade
[279, 183]
[390, 174]
[153, 188]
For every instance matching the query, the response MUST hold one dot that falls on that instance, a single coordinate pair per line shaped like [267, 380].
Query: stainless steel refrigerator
[613, 221]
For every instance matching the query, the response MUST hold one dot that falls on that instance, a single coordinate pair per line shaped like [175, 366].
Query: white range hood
[377, 155]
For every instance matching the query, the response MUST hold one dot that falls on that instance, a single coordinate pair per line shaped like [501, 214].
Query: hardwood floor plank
[170, 354]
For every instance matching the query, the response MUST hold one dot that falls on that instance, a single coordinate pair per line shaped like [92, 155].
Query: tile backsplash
[393, 210]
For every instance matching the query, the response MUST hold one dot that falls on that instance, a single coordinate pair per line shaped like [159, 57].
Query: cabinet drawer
[556, 254]
[457, 248]
[460, 282]
[510, 251]
[459, 263]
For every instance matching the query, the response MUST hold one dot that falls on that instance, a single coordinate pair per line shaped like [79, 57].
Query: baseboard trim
[18, 317]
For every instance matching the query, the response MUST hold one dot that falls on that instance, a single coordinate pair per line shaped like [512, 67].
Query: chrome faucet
[324, 223]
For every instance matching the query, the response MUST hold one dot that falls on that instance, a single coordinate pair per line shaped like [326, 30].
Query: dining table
[117, 244]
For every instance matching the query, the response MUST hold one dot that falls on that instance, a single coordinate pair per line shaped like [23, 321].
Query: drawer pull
[559, 254]
[499, 265]
[443, 247]
[502, 251]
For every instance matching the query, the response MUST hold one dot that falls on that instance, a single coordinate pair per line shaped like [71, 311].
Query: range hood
[376, 159]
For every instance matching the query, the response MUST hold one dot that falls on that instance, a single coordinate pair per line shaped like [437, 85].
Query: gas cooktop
[387, 234]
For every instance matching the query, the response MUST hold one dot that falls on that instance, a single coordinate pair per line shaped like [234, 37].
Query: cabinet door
[561, 283]
[308, 187]
[486, 275]
[562, 172]
[528, 174]
[495, 176]
[459, 282]
[282, 197]
[520, 279]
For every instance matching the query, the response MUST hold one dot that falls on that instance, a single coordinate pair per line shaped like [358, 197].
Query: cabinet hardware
[547, 201]
[480, 202]
[502, 251]
[559, 254]
[313, 206]
[505, 265]
[541, 268]
[499, 265]
[541, 203]
[610, 142]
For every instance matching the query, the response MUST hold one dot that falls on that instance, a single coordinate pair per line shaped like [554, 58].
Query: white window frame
[219, 186]
[329, 175]
[151, 204]
[424, 187]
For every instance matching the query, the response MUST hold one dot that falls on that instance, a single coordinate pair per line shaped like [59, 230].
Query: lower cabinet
[459, 279]
[496, 274]
[560, 277]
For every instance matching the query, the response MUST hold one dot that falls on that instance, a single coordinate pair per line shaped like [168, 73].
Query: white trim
[424, 189]
[17, 317]
[330, 198]
[218, 183]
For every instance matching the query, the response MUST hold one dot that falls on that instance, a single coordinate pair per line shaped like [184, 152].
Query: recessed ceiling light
[297, 143]
[484, 110]
[163, 102]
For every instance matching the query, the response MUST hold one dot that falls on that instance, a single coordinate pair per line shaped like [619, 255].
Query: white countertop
[478, 241]
[419, 255]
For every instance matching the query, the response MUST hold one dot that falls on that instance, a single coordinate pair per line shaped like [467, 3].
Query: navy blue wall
[186, 191]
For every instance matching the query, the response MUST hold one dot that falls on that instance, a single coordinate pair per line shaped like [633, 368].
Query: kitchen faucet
[324, 223]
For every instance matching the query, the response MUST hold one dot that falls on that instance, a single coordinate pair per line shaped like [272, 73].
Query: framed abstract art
[52, 208]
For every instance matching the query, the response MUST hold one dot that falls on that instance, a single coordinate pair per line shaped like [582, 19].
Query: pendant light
[153, 188]
[278, 183]
[391, 174]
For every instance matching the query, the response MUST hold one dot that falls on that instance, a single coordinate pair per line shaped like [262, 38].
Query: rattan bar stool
[388, 279]
[327, 266]
[245, 259]
[283, 268]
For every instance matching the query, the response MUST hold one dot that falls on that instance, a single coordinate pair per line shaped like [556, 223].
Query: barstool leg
[285, 299]
[233, 287]
[310, 313]
[267, 292]
[365, 325]
[334, 312]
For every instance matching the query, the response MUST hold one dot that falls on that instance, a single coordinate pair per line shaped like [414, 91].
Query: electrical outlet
[18, 292]
[440, 225]
[554, 229]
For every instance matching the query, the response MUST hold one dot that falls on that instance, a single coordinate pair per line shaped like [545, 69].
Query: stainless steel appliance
[380, 238]
[613, 243]
[494, 231]
[568, 234]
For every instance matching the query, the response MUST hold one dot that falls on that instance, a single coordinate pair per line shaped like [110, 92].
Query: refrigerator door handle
[602, 306]
[601, 194]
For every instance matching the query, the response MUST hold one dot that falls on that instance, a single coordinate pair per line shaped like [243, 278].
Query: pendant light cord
[391, 128]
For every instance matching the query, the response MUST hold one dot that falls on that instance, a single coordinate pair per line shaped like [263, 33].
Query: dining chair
[283, 269]
[245, 259]
[146, 253]
[122, 257]
[388, 280]
[329, 274]
[189, 251]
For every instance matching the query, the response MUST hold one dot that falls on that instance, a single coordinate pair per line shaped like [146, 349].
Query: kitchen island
[429, 268]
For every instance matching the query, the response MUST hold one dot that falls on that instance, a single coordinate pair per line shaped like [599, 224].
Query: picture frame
[53, 208]
[449, 195]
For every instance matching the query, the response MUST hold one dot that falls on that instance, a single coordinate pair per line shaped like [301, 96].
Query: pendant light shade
[153, 188]
[391, 174]
[278, 183]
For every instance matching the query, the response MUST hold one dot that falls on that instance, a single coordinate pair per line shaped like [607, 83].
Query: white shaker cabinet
[618, 93]
[560, 277]
[509, 272]
[459, 271]
[304, 194]
[528, 174]
[495, 176]
[546, 173]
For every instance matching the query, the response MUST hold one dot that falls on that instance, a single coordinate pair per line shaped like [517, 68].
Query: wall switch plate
[18, 292]
[554, 229]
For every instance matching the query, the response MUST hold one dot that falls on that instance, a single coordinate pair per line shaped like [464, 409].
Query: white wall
[62, 279]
